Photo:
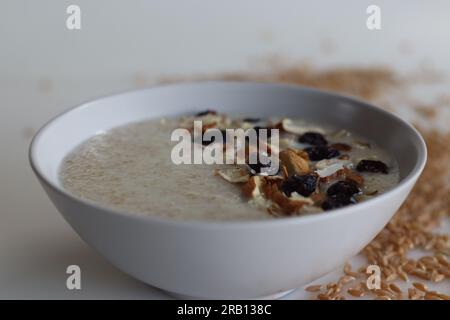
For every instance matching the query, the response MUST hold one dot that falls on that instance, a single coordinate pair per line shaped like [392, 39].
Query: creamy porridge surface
[129, 168]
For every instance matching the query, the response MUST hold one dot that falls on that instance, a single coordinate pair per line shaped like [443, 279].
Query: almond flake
[327, 167]
[285, 204]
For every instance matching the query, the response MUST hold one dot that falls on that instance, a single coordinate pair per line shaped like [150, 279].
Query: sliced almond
[327, 167]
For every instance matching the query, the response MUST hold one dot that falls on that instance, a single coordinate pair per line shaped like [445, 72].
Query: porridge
[320, 168]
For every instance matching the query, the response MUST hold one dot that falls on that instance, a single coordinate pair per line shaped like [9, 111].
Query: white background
[45, 68]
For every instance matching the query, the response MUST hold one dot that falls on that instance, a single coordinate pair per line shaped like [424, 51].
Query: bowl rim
[405, 183]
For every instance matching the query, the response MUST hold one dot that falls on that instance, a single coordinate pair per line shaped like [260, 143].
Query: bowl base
[274, 296]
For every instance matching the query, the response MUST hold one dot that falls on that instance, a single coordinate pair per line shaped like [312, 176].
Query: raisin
[344, 188]
[372, 166]
[313, 138]
[337, 201]
[205, 113]
[304, 185]
[321, 152]
[251, 120]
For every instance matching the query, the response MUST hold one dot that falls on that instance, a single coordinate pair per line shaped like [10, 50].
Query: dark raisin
[251, 120]
[337, 201]
[341, 147]
[313, 138]
[345, 188]
[321, 152]
[205, 113]
[304, 185]
[224, 136]
[372, 166]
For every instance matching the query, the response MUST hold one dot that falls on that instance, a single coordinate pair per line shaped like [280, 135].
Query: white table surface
[44, 69]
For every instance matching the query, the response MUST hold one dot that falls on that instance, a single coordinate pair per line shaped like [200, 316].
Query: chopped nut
[251, 188]
[293, 163]
[287, 205]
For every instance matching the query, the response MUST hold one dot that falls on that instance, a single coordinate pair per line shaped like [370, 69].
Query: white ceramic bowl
[227, 259]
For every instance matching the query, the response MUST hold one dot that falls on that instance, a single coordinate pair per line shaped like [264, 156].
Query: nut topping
[293, 162]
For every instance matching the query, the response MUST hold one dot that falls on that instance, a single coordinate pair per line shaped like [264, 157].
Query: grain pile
[414, 225]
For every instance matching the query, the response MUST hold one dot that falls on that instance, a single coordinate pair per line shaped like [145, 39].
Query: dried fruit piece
[321, 152]
[343, 188]
[337, 201]
[313, 138]
[293, 162]
[304, 185]
[372, 166]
